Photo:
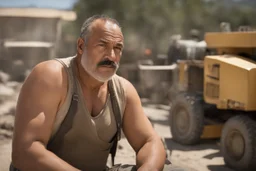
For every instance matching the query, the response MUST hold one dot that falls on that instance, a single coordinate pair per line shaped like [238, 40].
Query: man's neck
[87, 81]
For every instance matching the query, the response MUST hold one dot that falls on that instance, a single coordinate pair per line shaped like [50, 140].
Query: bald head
[93, 21]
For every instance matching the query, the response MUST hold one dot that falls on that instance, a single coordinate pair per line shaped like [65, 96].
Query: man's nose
[112, 54]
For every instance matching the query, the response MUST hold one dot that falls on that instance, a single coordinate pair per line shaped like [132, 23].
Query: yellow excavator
[216, 97]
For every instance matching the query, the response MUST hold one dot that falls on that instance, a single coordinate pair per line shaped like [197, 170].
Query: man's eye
[118, 48]
[102, 45]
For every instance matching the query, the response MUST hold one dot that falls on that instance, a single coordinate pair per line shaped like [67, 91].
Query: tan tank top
[86, 146]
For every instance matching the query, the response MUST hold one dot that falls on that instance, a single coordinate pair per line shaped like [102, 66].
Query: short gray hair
[85, 29]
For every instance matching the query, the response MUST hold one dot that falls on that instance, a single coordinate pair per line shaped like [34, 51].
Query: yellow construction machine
[217, 98]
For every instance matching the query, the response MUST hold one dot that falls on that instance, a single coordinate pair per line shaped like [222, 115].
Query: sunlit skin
[47, 87]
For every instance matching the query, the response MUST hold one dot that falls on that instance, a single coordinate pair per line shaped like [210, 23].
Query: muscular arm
[36, 109]
[141, 135]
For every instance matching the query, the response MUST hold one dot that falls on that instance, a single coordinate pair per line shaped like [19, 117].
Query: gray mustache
[109, 63]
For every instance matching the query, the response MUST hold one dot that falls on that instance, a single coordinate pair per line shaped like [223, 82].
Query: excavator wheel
[186, 119]
[238, 143]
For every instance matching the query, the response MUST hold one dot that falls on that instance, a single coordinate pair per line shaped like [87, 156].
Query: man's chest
[95, 102]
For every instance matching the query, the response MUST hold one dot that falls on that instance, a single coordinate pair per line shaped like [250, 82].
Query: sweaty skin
[45, 90]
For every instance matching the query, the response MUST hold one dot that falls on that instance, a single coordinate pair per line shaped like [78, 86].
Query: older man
[52, 87]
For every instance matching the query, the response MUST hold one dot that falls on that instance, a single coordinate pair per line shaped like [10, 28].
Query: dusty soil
[202, 157]
[8, 97]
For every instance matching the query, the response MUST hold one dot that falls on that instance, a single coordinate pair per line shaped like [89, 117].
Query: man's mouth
[108, 63]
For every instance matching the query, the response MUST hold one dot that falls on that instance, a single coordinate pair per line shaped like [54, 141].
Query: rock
[4, 77]
[5, 134]
[120, 147]
[5, 93]
[7, 108]
[7, 122]
[18, 71]
[6, 126]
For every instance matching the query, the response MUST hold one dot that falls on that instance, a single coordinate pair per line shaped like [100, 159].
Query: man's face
[103, 50]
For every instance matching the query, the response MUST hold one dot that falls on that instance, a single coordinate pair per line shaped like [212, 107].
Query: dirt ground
[202, 157]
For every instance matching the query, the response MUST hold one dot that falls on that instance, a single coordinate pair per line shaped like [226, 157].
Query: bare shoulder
[46, 78]
[48, 73]
[127, 85]
[130, 91]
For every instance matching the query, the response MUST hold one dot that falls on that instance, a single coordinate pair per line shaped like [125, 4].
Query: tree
[150, 23]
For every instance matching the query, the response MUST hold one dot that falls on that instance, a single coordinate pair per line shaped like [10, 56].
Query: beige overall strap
[117, 114]
[66, 124]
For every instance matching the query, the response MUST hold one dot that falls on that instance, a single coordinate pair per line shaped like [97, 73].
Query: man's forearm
[151, 157]
[36, 157]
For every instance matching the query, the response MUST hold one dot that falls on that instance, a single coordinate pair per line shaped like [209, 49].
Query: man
[46, 96]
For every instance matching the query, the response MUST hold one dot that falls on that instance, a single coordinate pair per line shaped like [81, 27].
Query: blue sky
[56, 4]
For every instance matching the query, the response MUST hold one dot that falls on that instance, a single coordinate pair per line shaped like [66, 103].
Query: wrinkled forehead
[106, 29]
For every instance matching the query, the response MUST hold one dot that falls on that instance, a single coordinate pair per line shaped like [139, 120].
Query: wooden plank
[157, 67]
[38, 13]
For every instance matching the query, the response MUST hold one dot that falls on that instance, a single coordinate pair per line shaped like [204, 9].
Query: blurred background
[47, 29]
[33, 31]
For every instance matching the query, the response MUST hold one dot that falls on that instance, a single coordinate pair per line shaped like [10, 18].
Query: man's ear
[80, 45]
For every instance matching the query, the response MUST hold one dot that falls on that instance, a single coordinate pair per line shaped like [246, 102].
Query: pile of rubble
[9, 91]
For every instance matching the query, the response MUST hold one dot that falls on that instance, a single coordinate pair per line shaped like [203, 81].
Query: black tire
[186, 119]
[239, 130]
